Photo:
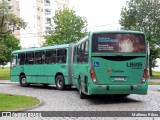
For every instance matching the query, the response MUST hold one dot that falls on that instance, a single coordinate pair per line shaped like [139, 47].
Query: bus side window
[86, 52]
[74, 54]
[54, 56]
[61, 56]
[78, 53]
[50, 57]
[14, 61]
[39, 57]
[21, 58]
[29, 58]
[47, 61]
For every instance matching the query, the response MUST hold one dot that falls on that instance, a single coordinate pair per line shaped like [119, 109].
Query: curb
[9, 83]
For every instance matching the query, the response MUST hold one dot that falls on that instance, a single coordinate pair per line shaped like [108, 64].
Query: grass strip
[12, 102]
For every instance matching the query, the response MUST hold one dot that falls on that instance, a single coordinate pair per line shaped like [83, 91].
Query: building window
[10, 7]
[48, 20]
[38, 8]
[38, 17]
[18, 10]
[48, 28]
[47, 12]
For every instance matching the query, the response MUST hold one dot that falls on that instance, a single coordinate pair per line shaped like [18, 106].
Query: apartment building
[38, 14]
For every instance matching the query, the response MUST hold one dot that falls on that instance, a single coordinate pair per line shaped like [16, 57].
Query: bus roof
[111, 31]
[118, 31]
[42, 48]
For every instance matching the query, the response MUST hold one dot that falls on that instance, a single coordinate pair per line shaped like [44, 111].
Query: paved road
[68, 100]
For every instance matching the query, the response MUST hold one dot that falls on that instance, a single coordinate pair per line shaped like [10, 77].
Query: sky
[100, 14]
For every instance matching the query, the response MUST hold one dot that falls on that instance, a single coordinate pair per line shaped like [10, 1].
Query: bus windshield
[118, 42]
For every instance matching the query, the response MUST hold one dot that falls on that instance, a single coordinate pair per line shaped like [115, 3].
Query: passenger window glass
[29, 58]
[74, 55]
[86, 52]
[14, 61]
[21, 58]
[39, 57]
[50, 57]
[61, 56]
[82, 53]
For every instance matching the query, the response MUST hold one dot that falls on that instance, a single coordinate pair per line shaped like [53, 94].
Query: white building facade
[38, 14]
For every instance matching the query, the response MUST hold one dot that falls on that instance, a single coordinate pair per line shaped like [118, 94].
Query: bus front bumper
[117, 89]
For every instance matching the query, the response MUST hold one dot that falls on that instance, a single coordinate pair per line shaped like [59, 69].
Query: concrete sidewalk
[154, 80]
[7, 82]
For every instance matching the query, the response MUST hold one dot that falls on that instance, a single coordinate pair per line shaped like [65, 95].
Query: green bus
[111, 62]
[45, 65]
[104, 62]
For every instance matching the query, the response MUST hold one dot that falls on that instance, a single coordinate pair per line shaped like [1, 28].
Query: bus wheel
[23, 81]
[81, 94]
[60, 82]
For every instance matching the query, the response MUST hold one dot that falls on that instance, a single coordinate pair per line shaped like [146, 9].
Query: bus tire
[23, 81]
[81, 94]
[60, 84]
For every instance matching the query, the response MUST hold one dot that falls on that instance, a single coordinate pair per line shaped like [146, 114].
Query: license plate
[119, 79]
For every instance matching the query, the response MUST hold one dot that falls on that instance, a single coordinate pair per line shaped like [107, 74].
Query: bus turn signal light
[145, 75]
[93, 76]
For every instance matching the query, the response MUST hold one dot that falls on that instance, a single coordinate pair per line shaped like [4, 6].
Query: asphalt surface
[68, 100]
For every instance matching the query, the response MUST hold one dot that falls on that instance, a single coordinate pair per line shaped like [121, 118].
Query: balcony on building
[48, 21]
[47, 29]
[47, 3]
[47, 12]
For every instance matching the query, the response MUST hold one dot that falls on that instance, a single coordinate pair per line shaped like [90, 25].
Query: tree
[69, 28]
[8, 44]
[144, 15]
[8, 23]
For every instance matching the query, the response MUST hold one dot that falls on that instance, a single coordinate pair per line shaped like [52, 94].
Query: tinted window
[29, 58]
[21, 58]
[61, 56]
[14, 61]
[50, 57]
[82, 52]
[39, 57]
[111, 42]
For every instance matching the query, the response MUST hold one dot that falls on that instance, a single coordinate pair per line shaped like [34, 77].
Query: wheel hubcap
[59, 82]
[23, 80]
